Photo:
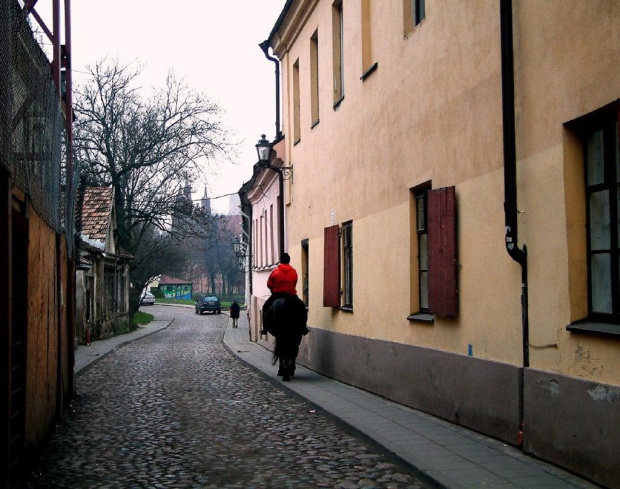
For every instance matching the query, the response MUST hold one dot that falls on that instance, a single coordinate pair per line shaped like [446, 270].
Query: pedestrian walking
[234, 313]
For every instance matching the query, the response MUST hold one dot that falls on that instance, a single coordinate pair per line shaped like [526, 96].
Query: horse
[286, 320]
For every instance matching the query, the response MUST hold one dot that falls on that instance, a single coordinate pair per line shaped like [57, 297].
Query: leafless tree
[149, 149]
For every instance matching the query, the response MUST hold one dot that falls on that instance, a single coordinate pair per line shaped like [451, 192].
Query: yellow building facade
[396, 121]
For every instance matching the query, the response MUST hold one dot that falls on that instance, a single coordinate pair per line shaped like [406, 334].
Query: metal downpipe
[510, 184]
[265, 48]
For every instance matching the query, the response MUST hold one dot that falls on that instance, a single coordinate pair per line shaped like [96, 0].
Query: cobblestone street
[176, 409]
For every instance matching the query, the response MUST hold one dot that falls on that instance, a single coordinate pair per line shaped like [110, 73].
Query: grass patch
[142, 318]
[123, 327]
[190, 302]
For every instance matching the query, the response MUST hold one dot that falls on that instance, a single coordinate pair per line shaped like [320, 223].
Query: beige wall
[568, 59]
[432, 112]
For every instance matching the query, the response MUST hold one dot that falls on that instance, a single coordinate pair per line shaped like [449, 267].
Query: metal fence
[33, 124]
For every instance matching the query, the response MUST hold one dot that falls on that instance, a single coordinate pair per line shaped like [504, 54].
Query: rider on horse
[281, 282]
[285, 316]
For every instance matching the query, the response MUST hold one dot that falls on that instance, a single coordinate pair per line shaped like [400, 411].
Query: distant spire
[205, 202]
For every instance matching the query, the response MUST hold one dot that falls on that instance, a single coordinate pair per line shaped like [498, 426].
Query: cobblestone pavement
[177, 410]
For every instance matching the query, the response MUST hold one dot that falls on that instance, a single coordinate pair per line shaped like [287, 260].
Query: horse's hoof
[286, 378]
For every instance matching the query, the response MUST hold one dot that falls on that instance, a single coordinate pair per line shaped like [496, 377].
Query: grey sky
[213, 44]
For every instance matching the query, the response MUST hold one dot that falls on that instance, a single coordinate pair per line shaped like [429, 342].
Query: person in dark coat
[281, 282]
[234, 313]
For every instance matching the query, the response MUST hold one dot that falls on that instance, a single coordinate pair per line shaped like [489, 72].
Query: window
[422, 231]
[123, 291]
[314, 78]
[90, 298]
[111, 300]
[347, 252]
[261, 262]
[265, 239]
[296, 104]
[335, 285]
[419, 11]
[602, 181]
[414, 12]
[433, 254]
[271, 240]
[255, 247]
[338, 48]
[367, 60]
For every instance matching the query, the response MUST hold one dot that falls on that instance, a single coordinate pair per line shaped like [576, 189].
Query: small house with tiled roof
[175, 288]
[102, 277]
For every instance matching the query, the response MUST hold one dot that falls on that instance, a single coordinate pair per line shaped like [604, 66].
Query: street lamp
[240, 250]
[237, 247]
[264, 149]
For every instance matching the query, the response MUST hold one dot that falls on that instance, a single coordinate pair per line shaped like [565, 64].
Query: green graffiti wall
[183, 291]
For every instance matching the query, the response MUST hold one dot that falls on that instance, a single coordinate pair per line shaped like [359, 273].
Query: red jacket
[283, 279]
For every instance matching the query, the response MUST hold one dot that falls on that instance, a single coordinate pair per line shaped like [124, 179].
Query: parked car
[147, 299]
[208, 303]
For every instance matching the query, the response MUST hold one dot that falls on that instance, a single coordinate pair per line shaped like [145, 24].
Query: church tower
[205, 203]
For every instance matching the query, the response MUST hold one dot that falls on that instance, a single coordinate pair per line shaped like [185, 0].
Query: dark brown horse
[286, 320]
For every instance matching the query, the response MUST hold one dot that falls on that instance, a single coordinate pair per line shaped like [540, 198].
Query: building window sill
[346, 308]
[338, 102]
[369, 71]
[593, 328]
[422, 317]
[314, 124]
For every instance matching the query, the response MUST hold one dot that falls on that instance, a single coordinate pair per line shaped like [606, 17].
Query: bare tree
[149, 150]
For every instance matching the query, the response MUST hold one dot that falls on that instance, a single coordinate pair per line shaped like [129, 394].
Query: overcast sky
[212, 43]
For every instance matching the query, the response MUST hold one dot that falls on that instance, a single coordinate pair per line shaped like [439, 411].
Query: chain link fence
[33, 136]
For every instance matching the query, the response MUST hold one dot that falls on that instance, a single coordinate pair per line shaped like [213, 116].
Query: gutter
[265, 48]
[510, 185]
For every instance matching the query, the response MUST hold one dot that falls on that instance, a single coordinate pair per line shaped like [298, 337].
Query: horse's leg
[293, 353]
[292, 367]
[287, 374]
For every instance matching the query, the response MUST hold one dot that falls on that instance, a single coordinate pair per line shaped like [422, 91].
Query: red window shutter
[442, 260]
[331, 272]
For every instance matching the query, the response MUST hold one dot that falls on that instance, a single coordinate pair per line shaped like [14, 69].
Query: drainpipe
[265, 48]
[510, 185]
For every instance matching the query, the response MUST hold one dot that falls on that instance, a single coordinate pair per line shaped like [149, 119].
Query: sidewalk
[452, 456]
[85, 355]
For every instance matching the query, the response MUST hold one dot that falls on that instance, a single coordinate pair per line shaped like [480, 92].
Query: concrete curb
[102, 348]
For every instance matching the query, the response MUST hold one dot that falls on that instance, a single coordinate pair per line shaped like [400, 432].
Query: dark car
[208, 303]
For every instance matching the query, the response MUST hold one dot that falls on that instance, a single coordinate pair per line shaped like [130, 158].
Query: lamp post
[240, 251]
[264, 149]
